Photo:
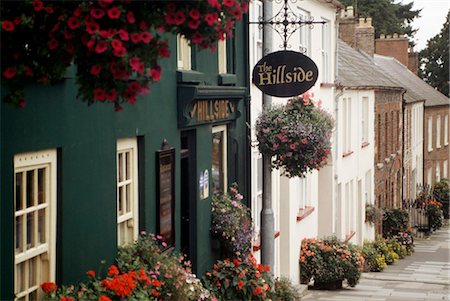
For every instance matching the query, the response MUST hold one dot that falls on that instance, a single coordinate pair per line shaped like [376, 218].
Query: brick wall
[393, 45]
[413, 61]
[436, 156]
[365, 35]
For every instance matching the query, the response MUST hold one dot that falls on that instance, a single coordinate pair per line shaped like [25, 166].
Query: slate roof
[357, 69]
[416, 88]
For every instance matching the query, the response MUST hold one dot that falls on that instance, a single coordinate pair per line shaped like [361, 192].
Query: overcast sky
[431, 19]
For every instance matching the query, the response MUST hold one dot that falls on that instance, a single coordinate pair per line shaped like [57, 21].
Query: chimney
[413, 60]
[365, 35]
[347, 26]
[395, 46]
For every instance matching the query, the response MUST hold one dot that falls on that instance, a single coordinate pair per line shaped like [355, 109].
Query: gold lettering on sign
[209, 110]
[268, 75]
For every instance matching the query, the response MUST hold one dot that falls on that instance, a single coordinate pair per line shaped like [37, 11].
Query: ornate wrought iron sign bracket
[286, 22]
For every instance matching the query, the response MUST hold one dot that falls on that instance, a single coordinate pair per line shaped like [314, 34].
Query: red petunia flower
[211, 18]
[214, 3]
[97, 13]
[101, 47]
[116, 44]
[78, 11]
[73, 23]
[114, 13]
[194, 14]
[130, 97]
[143, 25]
[9, 72]
[228, 3]
[134, 63]
[106, 34]
[244, 6]
[111, 96]
[22, 103]
[99, 94]
[197, 38]
[170, 18]
[28, 71]
[68, 35]
[135, 37]
[90, 43]
[96, 69]
[17, 20]
[180, 18]
[155, 73]
[123, 34]
[49, 287]
[92, 28]
[134, 87]
[194, 24]
[130, 17]
[164, 52]
[8, 25]
[119, 52]
[171, 6]
[105, 3]
[53, 44]
[70, 48]
[38, 5]
[146, 37]
[49, 10]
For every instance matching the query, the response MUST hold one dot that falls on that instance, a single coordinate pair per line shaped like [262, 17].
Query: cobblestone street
[423, 276]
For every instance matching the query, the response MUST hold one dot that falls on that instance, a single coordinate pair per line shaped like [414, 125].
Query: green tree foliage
[434, 60]
[388, 17]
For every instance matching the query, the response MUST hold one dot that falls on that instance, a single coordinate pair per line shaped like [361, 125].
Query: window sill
[303, 213]
[227, 79]
[347, 154]
[190, 76]
[326, 85]
[350, 236]
[365, 144]
[430, 150]
[257, 246]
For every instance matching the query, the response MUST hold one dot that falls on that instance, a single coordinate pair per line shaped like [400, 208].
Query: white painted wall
[286, 192]
[416, 151]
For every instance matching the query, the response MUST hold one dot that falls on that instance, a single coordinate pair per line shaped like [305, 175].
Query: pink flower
[304, 141]
[292, 146]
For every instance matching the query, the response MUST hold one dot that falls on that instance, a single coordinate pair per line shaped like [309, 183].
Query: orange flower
[257, 291]
[49, 287]
[91, 273]
[104, 298]
[113, 271]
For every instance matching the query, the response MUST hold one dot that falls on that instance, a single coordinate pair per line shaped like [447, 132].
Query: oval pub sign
[285, 73]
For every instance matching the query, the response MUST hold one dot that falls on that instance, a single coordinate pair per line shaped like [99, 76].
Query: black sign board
[166, 193]
[285, 73]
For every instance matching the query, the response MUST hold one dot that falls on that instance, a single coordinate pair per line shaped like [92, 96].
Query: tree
[388, 17]
[434, 60]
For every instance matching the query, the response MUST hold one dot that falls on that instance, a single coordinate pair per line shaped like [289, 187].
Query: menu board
[165, 200]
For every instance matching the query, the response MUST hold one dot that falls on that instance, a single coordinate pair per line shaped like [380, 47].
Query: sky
[431, 19]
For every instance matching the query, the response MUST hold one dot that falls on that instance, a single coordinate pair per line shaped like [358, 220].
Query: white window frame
[445, 169]
[429, 180]
[430, 134]
[438, 131]
[304, 193]
[183, 53]
[438, 172]
[217, 129]
[305, 32]
[446, 130]
[365, 120]
[326, 51]
[222, 56]
[257, 193]
[44, 253]
[127, 146]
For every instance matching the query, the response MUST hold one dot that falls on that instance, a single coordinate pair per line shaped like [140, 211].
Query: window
[127, 191]
[429, 176]
[446, 130]
[257, 196]
[438, 171]
[222, 56]
[347, 125]
[35, 222]
[393, 125]
[368, 182]
[304, 194]
[326, 52]
[305, 33]
[430, 134]
[386, 135]
[365, 120]
[445, 169]
[379, 137]
[438, 131]
[257, 32]
[183, 53]
[219, 159]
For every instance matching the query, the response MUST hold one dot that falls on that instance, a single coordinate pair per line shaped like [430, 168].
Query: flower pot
[333, 285]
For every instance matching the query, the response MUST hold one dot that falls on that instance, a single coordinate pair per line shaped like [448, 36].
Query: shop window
[183, 53]
[35, 222]
[127, 191]
[219, 159]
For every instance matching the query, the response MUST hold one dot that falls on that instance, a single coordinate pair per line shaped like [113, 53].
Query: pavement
[423, 276]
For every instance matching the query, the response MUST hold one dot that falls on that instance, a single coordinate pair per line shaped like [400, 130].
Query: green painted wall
[85, 137]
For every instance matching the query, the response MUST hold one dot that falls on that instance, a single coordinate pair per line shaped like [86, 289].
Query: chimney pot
[388, 36]
[382, 36]
[395, 36]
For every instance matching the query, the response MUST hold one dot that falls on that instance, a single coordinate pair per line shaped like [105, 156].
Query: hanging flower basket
[297, 136]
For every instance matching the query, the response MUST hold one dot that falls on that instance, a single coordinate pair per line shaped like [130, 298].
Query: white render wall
[286, 192]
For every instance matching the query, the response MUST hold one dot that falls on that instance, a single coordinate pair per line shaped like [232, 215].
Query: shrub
[395, 246]
[381, 246]
[231, 223]
[441, 192]
[374, 261]
[394, 221]
[434, 212]
[330, 260]
[285, 291]
[373, 214]
[297, 136]
[240, 279]
[406, 240]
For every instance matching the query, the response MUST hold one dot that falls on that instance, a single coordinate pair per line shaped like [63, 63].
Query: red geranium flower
[49, 287]
[194, 14]
[257, 291]
[73, 22]
[8, 25]
[9, 72]
[114, 13]
[97, 13]
[101, 47]
[130, 17]
[135, 37]
[146, 37]
[240, 284]
[123, 34]
[96, 69]
[53, 44]
[38, 5]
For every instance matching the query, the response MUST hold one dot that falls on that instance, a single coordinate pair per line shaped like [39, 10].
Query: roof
[416, 88]
[356, 69]
[334, 3]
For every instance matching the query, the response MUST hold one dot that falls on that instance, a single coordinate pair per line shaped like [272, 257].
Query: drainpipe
[267, 216]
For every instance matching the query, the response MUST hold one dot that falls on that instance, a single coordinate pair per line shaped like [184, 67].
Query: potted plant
[296, 136]
[231, 223]
[373, 214]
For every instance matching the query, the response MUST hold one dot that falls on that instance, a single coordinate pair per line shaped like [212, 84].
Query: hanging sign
[285, 73]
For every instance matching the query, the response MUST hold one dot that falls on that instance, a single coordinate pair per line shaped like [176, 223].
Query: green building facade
[70, 173]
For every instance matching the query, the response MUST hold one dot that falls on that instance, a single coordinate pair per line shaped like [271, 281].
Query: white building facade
[296, 202]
